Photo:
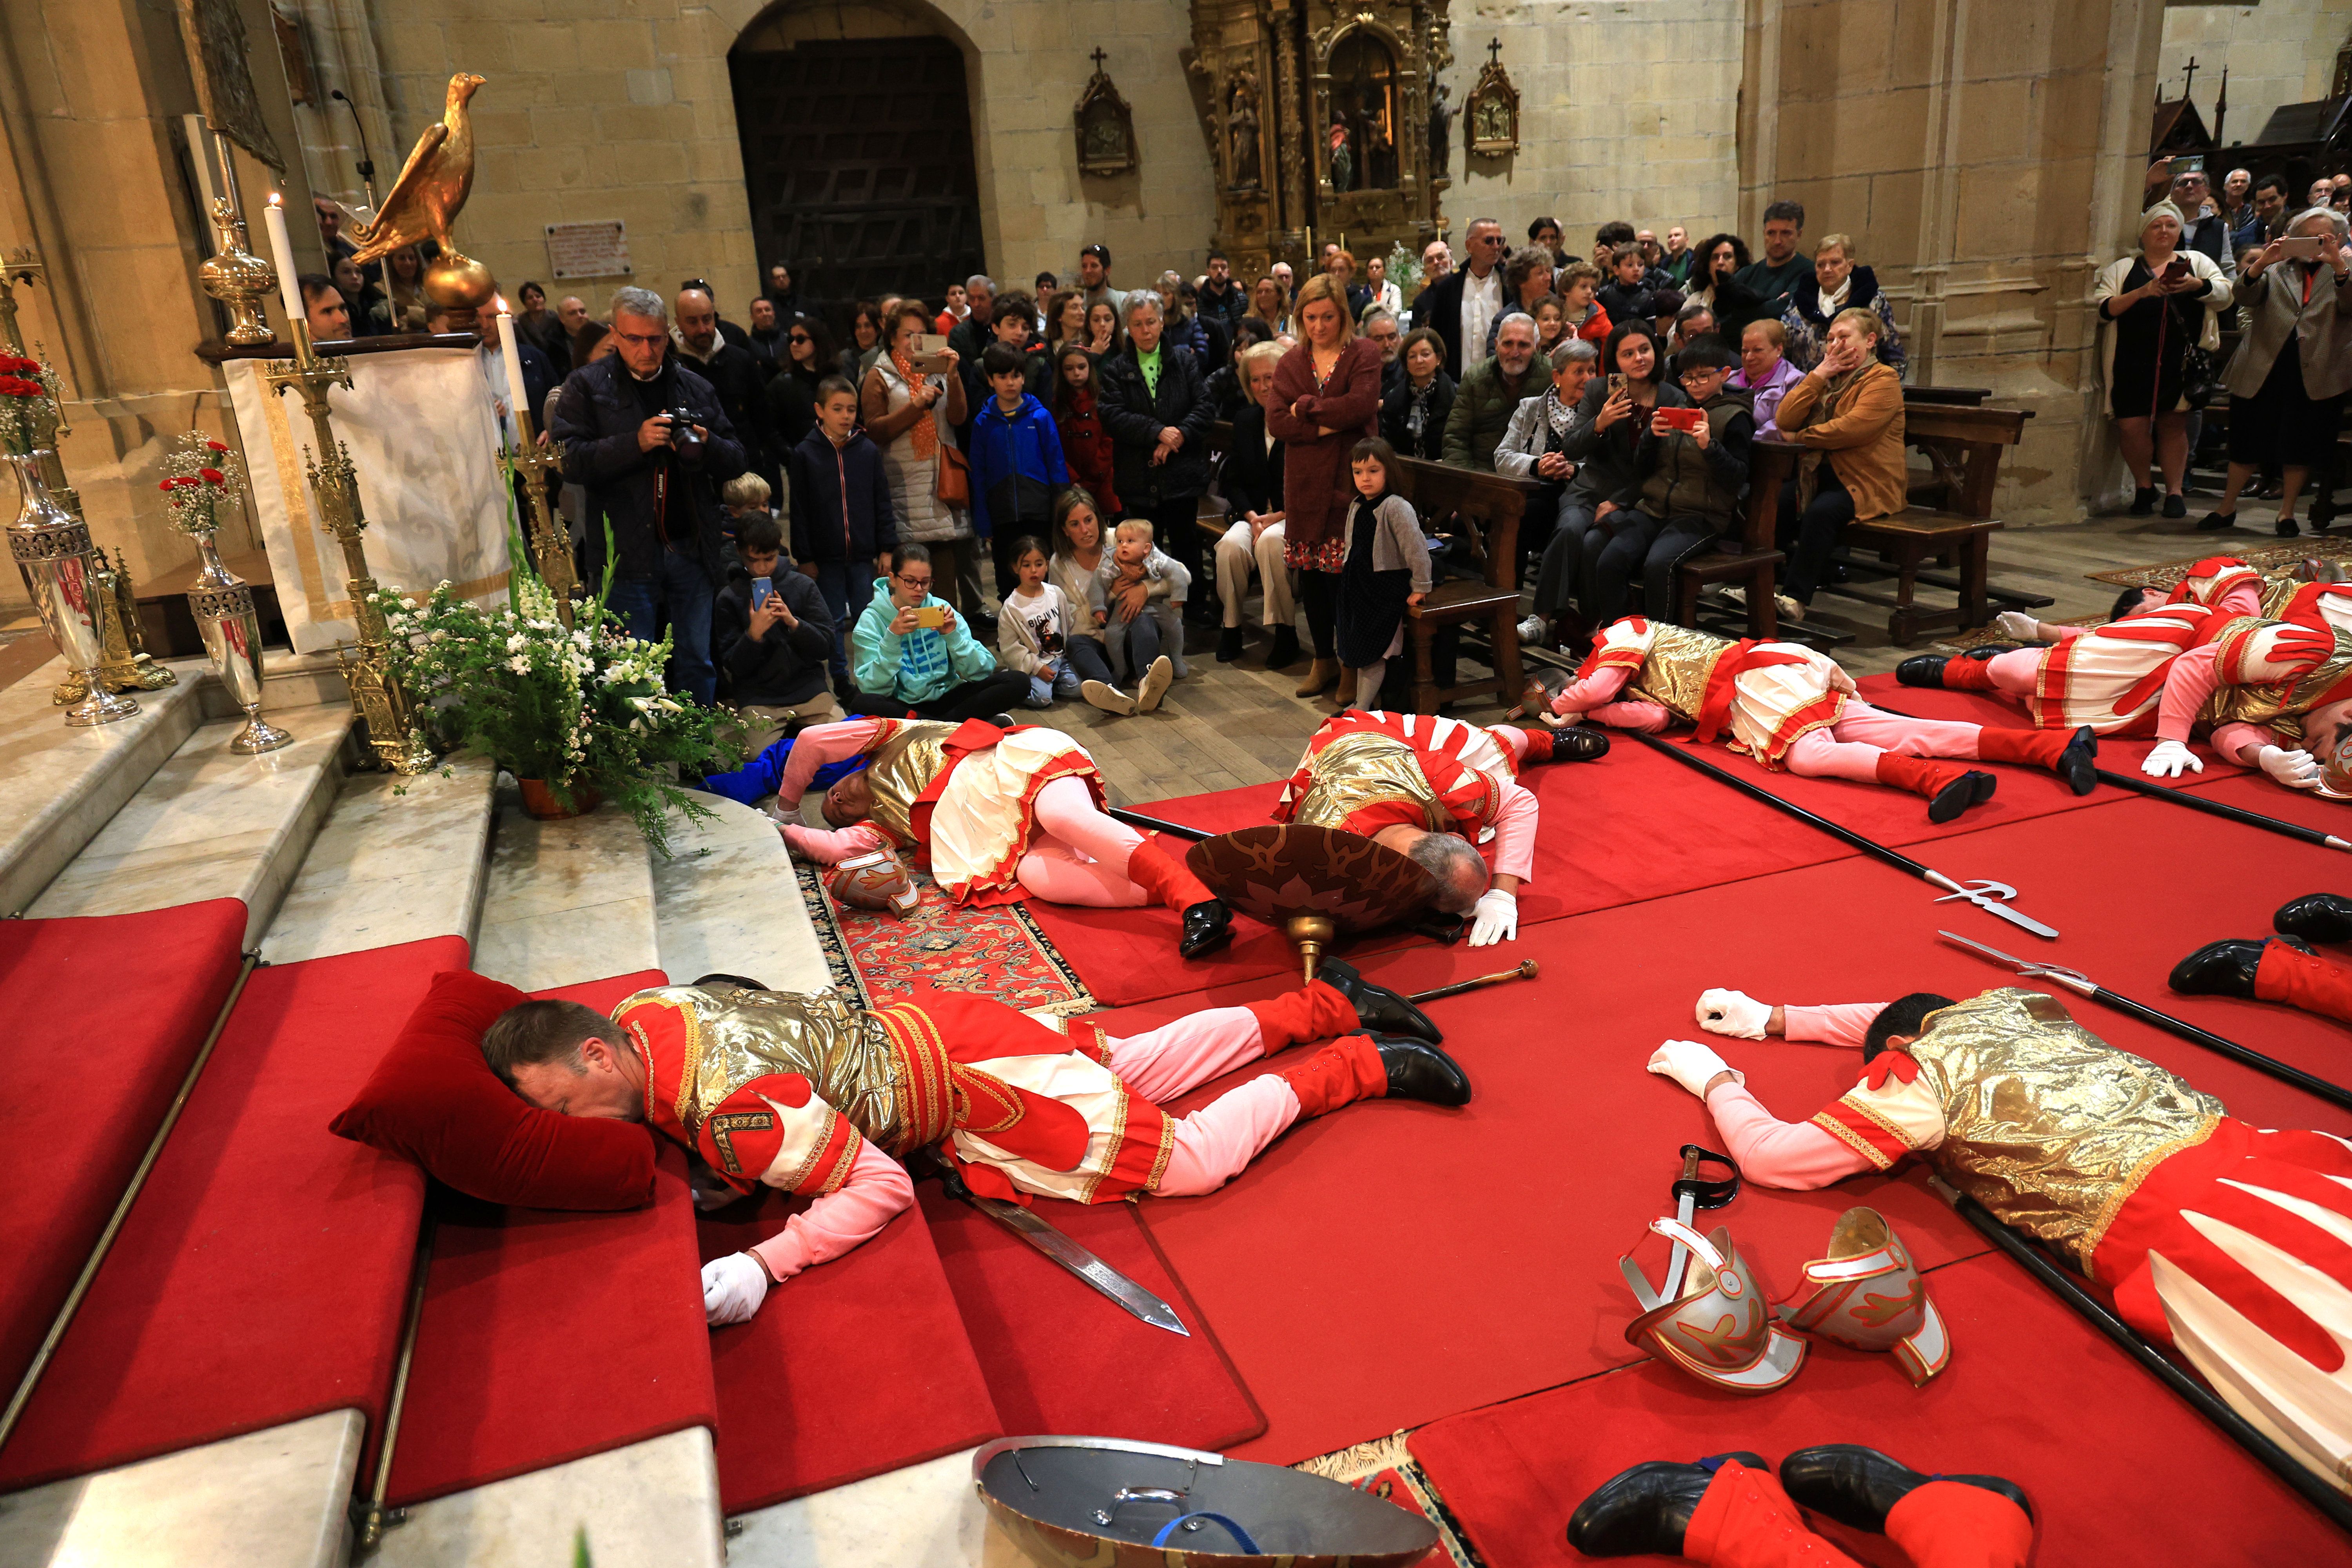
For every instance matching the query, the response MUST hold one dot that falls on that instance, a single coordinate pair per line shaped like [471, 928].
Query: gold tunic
[2045, 1124]
[1676, 670]
[1368, 769]
[734, 1037]
[2279, 705]
[903, 767]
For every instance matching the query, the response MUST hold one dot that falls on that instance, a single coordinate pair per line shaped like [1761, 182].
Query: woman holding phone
[2157, 305]
[912, 413]
[912, 656]
[2288, 378]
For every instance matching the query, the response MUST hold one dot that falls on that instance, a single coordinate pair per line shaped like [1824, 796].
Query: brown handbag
[954, 488]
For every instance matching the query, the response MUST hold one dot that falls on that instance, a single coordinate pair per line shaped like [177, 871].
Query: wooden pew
[1485, 509]
[1949, 521]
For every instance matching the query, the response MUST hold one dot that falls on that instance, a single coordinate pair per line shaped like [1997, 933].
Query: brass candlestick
[236, 277]
[383, 704]
[550, 543]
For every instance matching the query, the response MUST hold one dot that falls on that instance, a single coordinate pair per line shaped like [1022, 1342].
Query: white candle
[513, 356]
[281, 254]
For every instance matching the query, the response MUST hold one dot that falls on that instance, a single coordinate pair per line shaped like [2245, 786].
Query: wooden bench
[1949, 521]
[1484, 509]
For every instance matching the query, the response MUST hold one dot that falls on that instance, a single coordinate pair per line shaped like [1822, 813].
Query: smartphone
[930, 353]
[2300, 246]
[1683, 420]
[1616, 384]
[761, 588]
[933, 617]
[2188, 165]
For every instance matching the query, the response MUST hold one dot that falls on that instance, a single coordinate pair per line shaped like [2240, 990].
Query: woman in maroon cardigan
[1326, 398]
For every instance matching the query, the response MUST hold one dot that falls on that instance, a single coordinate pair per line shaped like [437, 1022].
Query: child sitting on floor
[1384, 573]
[1032, 635]
[1139, 601]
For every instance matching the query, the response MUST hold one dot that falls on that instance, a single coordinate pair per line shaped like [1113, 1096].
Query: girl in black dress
[1384, 573]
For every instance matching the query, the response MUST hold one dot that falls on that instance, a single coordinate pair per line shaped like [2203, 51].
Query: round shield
[1117, 1504]
[2336, 769]
[1279, 872]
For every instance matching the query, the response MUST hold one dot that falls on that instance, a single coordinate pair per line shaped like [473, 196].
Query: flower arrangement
[29, 403]
[583, 709]
[1405, 270]
[204, 484]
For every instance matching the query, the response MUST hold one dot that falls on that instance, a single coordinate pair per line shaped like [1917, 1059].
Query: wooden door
[857, 153]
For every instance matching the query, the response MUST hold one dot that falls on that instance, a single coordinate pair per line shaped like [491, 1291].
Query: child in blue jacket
[1016, 461]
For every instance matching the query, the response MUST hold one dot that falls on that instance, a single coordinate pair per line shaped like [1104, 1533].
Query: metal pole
[1153, 823]
[2221, 809]
[373, 1516]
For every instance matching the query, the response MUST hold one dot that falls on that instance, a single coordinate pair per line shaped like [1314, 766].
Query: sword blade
[1995, 907]
[1109, 1281]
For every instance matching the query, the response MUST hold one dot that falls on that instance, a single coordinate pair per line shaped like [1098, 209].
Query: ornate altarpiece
[1318, 120]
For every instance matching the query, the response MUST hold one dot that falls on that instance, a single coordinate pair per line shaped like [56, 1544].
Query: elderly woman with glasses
[2288, 378]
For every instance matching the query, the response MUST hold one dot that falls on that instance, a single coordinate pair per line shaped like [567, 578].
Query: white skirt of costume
[985, 813]
[2111, 678]
[1773, 705]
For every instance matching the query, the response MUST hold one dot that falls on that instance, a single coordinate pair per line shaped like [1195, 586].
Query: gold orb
[457, 282]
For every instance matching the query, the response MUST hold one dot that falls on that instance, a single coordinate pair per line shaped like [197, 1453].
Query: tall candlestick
[517, 399]
[200, 155]
[281, 251]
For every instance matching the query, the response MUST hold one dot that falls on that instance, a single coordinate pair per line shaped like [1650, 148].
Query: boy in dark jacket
[1691, 481]
[1017, 460]
[841, 521]
[772, 641]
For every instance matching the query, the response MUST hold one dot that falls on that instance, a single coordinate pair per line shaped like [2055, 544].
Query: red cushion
[433, 1100]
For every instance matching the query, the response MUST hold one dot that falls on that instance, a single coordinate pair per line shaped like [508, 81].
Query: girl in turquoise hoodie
[913, 657]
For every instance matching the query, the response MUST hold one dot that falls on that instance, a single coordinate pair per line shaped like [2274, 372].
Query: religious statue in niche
[1242, 131]
[1343, 162]
[1441, 128]
[1106, 126]
[1492, 115]
[1363, 114]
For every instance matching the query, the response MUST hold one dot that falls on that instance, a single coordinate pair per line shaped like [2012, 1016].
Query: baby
[1138, 599]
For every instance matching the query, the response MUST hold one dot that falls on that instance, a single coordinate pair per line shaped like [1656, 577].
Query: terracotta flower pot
[543, 802]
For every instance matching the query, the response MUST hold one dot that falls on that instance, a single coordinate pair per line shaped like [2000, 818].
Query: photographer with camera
[645, 436]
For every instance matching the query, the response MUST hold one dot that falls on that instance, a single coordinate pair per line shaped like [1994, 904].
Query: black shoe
[1002, 720]
[2285, 528]
[1578, 743]
[2215, 522]
[1208, 926]
[1644, 1511]
[1984, 651]
[1921, 670]
[1985, 783]
[1971, 788]
[1284, 651]
[738, 982]
[2142, 503]
[2316, 917]
[2078, 765]
[1418, 1071]
[2176, 506]
[1858, 1486]
[1229, 645]
[2218, 968]
[1377, 1008]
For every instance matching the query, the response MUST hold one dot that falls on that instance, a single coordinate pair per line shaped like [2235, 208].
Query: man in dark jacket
[1222, 299]
[733, 373]
[773, 653]
[1156, 409]
[1772, 275]
[654, 481]
[841, 521]
[1490, 394]
[1443, 306]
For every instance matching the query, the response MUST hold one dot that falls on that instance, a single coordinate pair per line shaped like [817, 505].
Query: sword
[1985, 895]
[1041, 1236]
[2076, 981]
[1155, 824]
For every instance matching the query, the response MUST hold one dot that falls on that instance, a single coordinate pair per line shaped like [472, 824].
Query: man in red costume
[810, 1095]
[1444, 793]
[1728, 1512]
[1789, 707]
[2285, 968]
[997, 813]
[2216, 1238]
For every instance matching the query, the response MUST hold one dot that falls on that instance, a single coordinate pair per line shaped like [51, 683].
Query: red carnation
[215, 446]
[210, 476]
[165, 487]
[184, 483]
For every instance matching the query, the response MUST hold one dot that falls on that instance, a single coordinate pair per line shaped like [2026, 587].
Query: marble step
[400, 859]
[925, 1516]
[728, 902]
[651, 1505]
[59, 787]
[272, 1498]
[212, 823]
[288, 680]
[566, 901]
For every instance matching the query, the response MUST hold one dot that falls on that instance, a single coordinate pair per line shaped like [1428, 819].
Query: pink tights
[1079, 855]
[1850, 748]
[2016, 670]
[1215, 1142]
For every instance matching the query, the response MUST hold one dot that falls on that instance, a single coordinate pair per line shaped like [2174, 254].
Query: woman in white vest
[913, 418]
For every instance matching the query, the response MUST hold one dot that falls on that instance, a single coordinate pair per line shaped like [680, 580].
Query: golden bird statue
[426, 200]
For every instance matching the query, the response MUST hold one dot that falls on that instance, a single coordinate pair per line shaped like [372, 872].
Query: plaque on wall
[1491, 117]
[1106, 126]
[588, 249]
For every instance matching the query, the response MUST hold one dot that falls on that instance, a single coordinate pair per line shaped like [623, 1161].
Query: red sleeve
[775, 1132]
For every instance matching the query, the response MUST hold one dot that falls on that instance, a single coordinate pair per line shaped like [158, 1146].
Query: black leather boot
[1284, 651]
[1971, 788]
[2316, 917]
[1418, 1071]
[1644, 1510]
[1229, 645]
[2218, 968]
[1578, 743]
[1857, 1486]
[1208, 926]
[1922, 669]
[1377, 1008]
[2078, 765]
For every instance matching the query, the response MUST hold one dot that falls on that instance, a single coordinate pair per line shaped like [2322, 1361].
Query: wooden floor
[1232, 724]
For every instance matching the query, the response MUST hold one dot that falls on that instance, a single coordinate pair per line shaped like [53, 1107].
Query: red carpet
[503, 1383]
[1060, 1357]
[262, 1275]
[1632, 827]
[1513, 1210]
[2119, 1469]
[69, 1137]
[850, 1368]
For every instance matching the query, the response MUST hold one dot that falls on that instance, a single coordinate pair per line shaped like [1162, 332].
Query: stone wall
[1628, 108]
[2281, 51]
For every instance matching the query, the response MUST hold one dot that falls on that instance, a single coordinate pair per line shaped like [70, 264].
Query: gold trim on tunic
[1676, 671]
[903, 767]
[1367, 769]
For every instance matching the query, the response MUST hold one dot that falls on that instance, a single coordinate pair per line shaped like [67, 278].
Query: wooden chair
[1485, 509]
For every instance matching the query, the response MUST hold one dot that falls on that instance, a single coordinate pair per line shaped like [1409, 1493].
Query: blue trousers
[847, 587]
[680, 597]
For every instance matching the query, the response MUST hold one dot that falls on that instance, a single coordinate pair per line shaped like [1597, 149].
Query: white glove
[2169, 759]
[732, 1289]
[1497, 916]
[2297, 769]
[1691, 1065]
[2016, 626]
[1733, 1012]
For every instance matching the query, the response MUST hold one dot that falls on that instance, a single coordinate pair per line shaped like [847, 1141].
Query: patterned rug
[1960, 642]
[995, 951]
[2261, 558]
[1386, 1469]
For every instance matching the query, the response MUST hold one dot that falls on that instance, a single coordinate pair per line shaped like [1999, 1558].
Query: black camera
[682, 438]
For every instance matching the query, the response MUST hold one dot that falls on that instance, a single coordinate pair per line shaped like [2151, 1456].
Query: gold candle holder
[383, 704]
[549, 540]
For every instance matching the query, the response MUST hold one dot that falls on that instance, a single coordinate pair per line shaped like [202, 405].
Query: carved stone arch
[1411, 104]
